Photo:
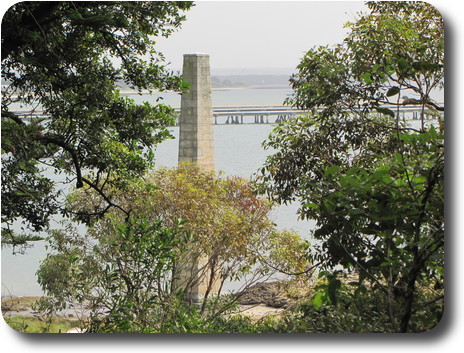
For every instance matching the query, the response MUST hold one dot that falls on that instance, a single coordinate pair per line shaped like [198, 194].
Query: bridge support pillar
[196, 144]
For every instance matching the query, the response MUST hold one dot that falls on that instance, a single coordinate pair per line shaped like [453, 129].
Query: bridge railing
[277, 114]
[255, 114]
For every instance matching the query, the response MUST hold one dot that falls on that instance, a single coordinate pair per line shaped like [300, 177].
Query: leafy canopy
[232, 226]
[373, 181]
[64, 61]
[135, 269]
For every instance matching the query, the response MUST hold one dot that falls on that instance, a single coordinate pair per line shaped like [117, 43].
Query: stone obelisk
[196, 144]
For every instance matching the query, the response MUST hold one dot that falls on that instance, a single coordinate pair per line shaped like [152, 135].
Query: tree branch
[68, 148]
[285, 272]
[106, 198]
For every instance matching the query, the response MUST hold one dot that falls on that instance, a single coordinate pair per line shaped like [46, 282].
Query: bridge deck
[260, 114]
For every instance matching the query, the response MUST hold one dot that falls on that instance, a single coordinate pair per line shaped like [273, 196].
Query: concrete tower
[196, 144]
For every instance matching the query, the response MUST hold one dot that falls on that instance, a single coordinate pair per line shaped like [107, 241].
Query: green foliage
[232, 225]
[397, 49]
[357, 309]
[122, 275]
[35, 325]
[326, 293]
[133, 272]
[359, 314]
[175, 316]
[373, 183]
[66, 61]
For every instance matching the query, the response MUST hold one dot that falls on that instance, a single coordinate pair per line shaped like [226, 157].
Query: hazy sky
[246, 35]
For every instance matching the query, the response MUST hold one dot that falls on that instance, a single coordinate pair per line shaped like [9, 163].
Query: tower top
[196, 54]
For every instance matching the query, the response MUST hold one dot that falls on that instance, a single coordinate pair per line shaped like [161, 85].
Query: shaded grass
[14, 309]
[34, 325]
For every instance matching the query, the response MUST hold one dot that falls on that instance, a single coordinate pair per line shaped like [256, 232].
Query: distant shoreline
[129, 92]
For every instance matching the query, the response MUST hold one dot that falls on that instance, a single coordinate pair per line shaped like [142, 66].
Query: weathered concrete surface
[196, 138]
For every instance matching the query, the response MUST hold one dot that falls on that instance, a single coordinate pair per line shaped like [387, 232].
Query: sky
[267, 37]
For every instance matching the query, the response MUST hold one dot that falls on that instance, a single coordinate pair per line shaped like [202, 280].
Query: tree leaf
[386, 111]
[366, 77]
[402, 64]
[332, 287]
[393, 91]
[318, 300]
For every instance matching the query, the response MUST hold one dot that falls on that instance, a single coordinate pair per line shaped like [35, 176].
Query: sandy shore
[259, 311]
[23, 306]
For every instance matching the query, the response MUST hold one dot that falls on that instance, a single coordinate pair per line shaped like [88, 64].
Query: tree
[120, 277]
[132, 266]
[372, 181]
[64, 62]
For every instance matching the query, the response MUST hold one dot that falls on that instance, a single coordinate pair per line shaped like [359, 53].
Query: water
[226, 97]
[238, 152]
